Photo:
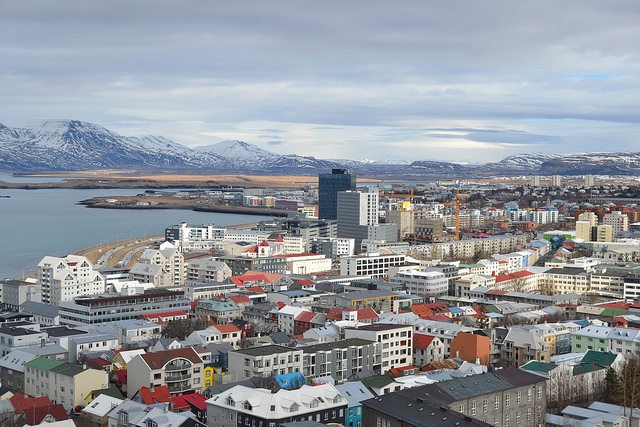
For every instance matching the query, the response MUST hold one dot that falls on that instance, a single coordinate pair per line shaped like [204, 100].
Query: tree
[180, 329]
[613, 388]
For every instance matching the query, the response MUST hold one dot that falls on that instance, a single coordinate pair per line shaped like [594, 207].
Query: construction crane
[456, 203]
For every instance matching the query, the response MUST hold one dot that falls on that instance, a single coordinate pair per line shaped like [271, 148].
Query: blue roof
[290, 381]
[456, 310]
[494, 315]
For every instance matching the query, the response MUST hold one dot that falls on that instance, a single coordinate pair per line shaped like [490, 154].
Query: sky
[466, 81]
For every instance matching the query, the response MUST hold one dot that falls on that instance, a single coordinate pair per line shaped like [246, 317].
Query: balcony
[176, 377]
[177, 366]
[179, 387]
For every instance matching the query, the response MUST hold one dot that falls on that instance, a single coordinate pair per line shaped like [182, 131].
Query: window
[473, 408]
[247, 406]
[528, 414]
[497, 403]
[518, 397]
[485, 405]
[507, 399]
[529, 393]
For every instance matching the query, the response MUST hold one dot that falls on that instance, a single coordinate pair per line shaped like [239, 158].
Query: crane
[459, 196]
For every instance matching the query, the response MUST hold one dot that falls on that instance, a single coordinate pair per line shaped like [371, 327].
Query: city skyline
[420, 80]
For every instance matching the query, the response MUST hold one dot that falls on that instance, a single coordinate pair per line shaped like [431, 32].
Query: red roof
[421, 341]
[256, 290]
[122, 376]
[227, 328]
[296, 255]
[37, 415]
[496, 292]
[240, 299]
[515, 275]
[255, 276]
[305, 316]
[367, 313]
[163, 314]
[159, 394]
[264, 243]
[280, 304]
[98, 363]
[615, 304]
[279, 239]
[421, 310]
[197, 400]
[180, 403]
[305, 282]
[440, 318]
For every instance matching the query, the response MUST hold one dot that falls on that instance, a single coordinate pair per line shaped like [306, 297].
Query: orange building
[471, 347]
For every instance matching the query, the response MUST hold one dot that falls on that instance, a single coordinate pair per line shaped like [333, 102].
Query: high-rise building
[589, 180]
[556, 181]
[329, 184]
[356, 212]
[535, 181]
[617, 220]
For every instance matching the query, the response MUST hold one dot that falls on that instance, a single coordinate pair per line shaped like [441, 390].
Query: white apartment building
[306, 263]
[396, 341]
[422, 282]
[373, 264]
[617, 220]
[63, 279]
[207, 270]
[170, 268]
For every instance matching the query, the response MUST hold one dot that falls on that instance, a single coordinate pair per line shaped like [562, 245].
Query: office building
[357, 211]
[329, 184]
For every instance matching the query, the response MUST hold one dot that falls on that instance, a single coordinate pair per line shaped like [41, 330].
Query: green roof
[377, 381]
[541, 367]
[594, 361]
[471, 265]
[111, 391]
[68, 369]
[613, 312]
[43, 364]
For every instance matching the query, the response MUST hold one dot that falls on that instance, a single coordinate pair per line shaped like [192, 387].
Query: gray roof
[16, 359]
[350, 342]
[41, 309]
[63, 331]
[366, 294]
[265, 350]
[46, 350]
[418, 412]
[354, 393]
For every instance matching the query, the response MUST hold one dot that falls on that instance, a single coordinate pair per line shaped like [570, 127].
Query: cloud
[272, 143]
[331, 78]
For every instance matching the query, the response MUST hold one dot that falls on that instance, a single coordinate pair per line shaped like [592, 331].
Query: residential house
[396, 341]
[265, 361]
[181, 370]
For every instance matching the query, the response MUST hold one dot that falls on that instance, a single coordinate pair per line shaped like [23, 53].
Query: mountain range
[75, 145]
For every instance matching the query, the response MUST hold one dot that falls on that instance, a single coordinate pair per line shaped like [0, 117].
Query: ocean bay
[43, 222]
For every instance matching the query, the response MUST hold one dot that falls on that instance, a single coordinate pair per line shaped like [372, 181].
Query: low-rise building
[265, 361]
[342, 359]
[241, 405]
[396, 342]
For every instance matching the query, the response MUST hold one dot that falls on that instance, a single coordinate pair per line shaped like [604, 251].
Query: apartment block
[63, 279]
[265, 361]
[396, 342]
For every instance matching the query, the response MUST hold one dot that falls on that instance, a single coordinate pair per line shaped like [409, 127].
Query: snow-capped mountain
[75, 145]
[592, 163]
[524, 162]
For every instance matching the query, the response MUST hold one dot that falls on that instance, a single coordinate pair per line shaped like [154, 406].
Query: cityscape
[309, 214]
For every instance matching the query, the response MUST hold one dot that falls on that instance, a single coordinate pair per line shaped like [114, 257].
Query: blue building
[329, 184]
[354, 393]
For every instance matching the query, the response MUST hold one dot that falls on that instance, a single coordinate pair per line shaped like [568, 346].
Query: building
[618, 221]
[342, 359]
[107, 307]
[13, 337]
[265, 361]
[396, 342]
[17, 292]
[207, 270]
[356, 212]
[193, 236]
[63, 279]
[241, 405]
[333, 247]
[354, 392]
[162, 267]
[328, 187]
[432, 283]
[374, 264]
[65, 383]
[180, 370]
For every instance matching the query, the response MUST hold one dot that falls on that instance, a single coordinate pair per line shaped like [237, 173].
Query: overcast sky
[466, 81]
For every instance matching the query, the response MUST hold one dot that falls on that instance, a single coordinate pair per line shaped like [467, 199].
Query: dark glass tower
[328, 186]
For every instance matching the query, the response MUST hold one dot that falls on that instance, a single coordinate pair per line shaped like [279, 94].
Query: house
[354, 392]
[124, 357]
[181, 370]
[241, 405]
[96, 413]
[65, 383]
[225, 333]
[474, 348]
[217, 311]
[426, 349]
